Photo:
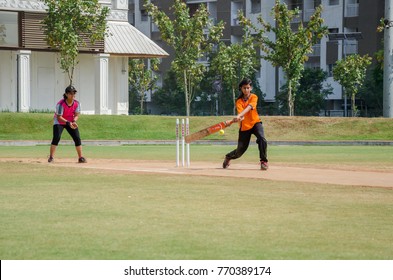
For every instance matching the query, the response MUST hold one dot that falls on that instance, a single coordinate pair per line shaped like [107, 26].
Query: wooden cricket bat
[207, 131]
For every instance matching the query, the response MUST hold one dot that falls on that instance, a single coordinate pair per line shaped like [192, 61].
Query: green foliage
[372, 92]
[234, 62]
[141, 77]
[191, 36]
[68, 22]
[170, 95]
[350, 73]
[310, 94]
[289, 48]
[206, 97]
[133, 102]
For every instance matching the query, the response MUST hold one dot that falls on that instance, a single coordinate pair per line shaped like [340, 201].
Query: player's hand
[73, 125]
[238, 119]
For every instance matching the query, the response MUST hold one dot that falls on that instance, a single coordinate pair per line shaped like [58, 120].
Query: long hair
[245, 81]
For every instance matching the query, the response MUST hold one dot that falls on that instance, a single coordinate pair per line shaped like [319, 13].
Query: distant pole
[177, 143]
[188, 144]
[388, 61]
[183, 131]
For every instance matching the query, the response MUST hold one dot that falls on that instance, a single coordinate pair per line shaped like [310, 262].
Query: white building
[31, 78]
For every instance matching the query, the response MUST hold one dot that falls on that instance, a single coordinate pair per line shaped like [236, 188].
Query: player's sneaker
[50, 159]
[264, 165]
[82, 160]
[226, 162]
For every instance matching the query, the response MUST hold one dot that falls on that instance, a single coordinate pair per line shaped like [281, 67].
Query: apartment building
[352, 23]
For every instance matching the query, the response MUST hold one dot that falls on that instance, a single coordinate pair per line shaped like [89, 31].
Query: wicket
[185, 148]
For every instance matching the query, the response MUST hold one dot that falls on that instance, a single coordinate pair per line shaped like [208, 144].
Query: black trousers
[244, 141]
[58, 130]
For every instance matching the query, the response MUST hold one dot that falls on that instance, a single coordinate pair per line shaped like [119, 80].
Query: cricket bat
[207, 131]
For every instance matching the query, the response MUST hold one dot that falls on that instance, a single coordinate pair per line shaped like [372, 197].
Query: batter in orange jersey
[250, 123]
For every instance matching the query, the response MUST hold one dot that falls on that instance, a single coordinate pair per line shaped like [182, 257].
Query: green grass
[38, 126]
[125, 216]
[50, 212]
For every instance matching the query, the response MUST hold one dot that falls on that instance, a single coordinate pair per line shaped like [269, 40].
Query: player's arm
[61, 119]
[251, 106]
[241, 115]
[59, 114]
[76, 117]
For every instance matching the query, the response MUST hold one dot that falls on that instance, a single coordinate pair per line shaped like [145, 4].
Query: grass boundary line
[201, 142]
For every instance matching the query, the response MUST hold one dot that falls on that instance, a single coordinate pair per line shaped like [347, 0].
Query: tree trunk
[234, 101]
[142, 96]
[354, 109]
[70, 72]
[186, 94]
[291, 111]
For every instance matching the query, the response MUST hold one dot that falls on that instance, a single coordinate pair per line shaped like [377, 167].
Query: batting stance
[66, 116]
[250, 123]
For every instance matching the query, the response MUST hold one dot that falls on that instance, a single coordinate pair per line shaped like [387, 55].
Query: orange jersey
[252, 117]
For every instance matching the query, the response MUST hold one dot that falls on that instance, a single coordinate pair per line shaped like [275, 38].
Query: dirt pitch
[276, 172]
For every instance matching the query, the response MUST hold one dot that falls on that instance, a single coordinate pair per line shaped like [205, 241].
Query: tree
[141, 78]
[372, 91]
[170, 96]
[68, 24]
[234, 62]
[191, 36]
[310, 94]
[350, 73]
[290, 48]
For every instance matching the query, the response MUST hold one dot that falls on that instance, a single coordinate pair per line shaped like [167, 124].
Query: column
[122, 88]
[102, 85]
[23, 84]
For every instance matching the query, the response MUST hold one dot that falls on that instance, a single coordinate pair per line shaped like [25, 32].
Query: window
[144, 15]
[293, 4]
[317, 3]
[9, 33]
[131, 18]
[334, 2]
[312, 65]
[193, 8]
[330, 70]
[235, 7]
[255, 6]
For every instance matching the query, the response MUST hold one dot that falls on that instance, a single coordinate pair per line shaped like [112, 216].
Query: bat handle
[228, 123]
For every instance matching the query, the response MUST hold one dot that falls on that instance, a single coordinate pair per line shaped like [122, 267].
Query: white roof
[126, 40]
